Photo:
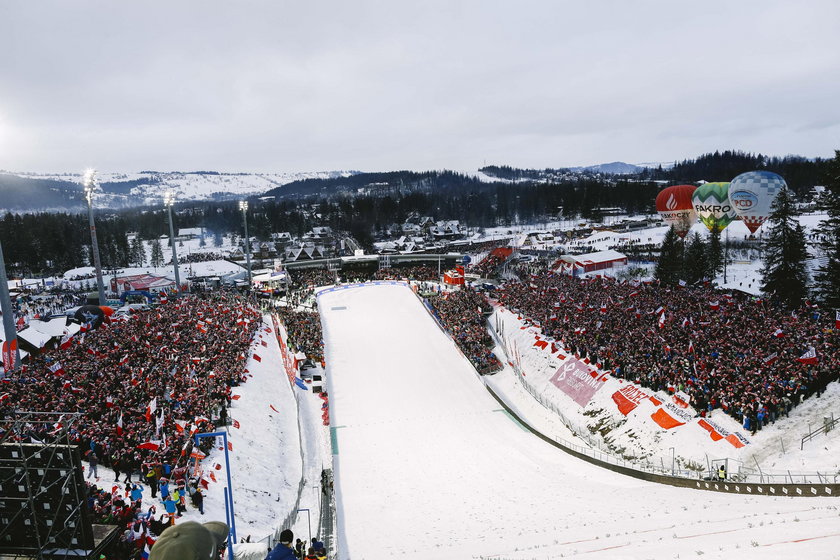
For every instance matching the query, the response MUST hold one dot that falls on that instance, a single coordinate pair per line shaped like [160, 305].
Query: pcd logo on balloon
[743, 200]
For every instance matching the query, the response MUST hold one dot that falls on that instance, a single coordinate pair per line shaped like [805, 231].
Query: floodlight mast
[243, 205]
[91, 185]
[169, 201]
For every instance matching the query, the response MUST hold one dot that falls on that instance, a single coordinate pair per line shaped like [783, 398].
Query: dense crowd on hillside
[304, 330]
[462, 314]
[728, 351]
[185, 355]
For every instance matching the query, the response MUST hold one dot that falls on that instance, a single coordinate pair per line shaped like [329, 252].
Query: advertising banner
[628, 398]
[577, 380]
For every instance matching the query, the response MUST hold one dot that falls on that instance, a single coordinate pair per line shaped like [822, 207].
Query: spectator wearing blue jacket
[283, 551]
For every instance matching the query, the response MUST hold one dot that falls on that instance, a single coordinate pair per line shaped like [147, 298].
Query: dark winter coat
[281, 552]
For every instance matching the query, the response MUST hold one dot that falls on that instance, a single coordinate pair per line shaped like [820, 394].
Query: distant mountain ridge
[63, 191]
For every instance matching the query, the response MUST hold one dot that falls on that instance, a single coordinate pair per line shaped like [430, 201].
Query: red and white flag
[180, 425]
[151, 445]
[691, 346]
[124, 360]
[769, 360]
[662, 321]
[150, 409]
[715, 305]
[56, 368]
[120, 425]
[809, 357]
[779, 333]
[660, 310]
[236, 424]
[66, 341]
[837, 319]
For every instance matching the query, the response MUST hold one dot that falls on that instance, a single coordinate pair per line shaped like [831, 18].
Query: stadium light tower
[91, 186]
[243, 205]
[10, 354]
[169, 201]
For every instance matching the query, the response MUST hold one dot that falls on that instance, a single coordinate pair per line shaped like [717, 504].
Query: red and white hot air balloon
[676, 207]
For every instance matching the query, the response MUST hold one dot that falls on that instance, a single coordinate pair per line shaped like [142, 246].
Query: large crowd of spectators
[304, 330]
[186, 355]
[202, 256]
[730, 351]
[463, 314]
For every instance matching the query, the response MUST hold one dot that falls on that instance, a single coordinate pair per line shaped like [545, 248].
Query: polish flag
[66, 341]
[603, 308]
[120, 425]
[691, 346]
[236, 424]
[769, 360]
[150, 409]
[180, 425]
[56, 368]
[809, 357]
[152, 445]
[837, 319]
[124, 360]
[662, 321]
[197, 454]
[200, 419]
[660, 310]
[256, 357]
[779, 333]
[715, 305]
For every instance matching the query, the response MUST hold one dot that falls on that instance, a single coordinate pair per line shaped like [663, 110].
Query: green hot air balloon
[711, 201]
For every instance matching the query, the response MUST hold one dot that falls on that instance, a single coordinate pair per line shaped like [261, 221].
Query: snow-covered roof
[53, 327]
[34, 337]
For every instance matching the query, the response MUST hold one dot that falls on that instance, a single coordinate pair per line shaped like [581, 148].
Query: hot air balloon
[675, 206]
[711, 201]
[752, 194]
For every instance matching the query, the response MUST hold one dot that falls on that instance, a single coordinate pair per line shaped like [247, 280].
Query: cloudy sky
[274, 85]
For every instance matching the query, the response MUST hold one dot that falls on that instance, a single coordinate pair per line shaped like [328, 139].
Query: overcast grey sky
[276, 85]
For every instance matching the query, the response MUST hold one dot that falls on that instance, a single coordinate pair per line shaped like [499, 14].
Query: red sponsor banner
[737, 440]
[577, 380]
[9, 354]
[628, 398]
[288, 359]
[718, 432]
[713, 433]
[670, 416]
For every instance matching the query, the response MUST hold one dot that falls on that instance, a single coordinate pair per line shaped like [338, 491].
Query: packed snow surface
[429, 466]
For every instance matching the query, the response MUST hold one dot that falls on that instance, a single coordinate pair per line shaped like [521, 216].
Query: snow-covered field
[429, 466]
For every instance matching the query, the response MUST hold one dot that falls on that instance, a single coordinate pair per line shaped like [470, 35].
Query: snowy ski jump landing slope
[429, 467]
